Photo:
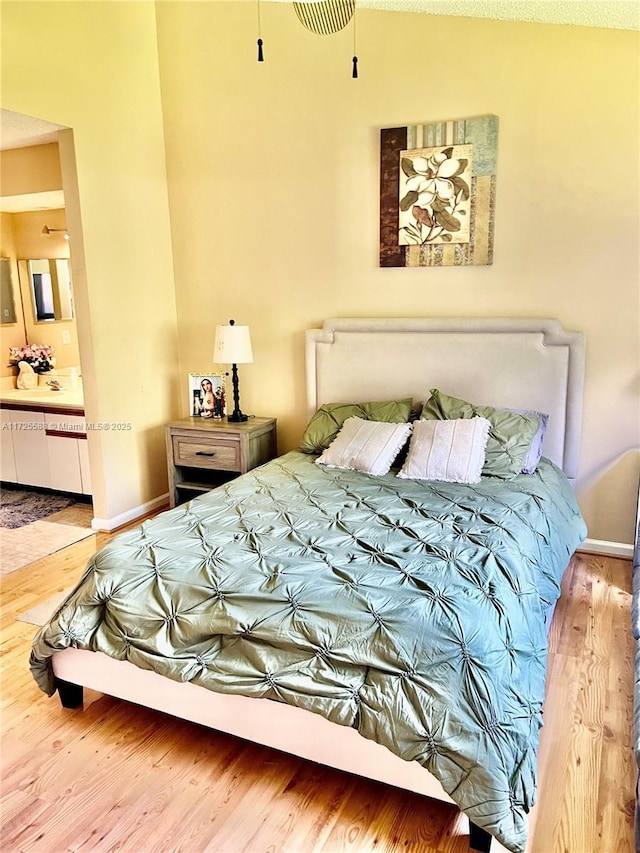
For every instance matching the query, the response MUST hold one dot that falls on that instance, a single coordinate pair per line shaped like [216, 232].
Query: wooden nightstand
[203, 454]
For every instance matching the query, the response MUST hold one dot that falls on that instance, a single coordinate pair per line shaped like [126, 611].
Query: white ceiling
[615, 14]
[19, 131]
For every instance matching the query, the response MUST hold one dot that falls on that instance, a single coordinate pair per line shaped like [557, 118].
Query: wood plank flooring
[119, 777]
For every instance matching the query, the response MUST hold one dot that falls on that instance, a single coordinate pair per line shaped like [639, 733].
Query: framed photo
[207, 397]
[437, 193]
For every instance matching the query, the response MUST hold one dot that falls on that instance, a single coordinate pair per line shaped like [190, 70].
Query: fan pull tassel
[354, 73]
[260, 42]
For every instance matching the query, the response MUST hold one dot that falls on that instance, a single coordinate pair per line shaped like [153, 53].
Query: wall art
[437, 193]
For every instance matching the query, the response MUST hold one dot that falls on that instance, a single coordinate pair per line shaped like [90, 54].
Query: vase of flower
[31, 360]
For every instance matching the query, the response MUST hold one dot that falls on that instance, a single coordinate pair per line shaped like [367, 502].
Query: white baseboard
[109, 524]
[609, 549]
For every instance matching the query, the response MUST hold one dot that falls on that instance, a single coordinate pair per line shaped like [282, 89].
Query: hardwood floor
[119, 777]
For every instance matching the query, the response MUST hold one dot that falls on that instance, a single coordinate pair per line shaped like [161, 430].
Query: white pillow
[367, 446]
[453, 451]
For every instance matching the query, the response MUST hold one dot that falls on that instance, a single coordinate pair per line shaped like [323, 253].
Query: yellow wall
[34, 169]
[28, 243]
[272, 175]
[273, 182]
[11, 334]
[94, 68]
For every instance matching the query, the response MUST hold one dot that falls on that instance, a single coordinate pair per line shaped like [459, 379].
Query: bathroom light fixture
[323, 17]
[46, 231]
[233, 346]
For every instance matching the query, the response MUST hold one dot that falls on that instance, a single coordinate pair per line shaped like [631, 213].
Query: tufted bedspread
[411, 611]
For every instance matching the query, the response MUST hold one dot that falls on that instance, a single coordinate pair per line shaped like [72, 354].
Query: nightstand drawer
[221, 455]
[204, 454]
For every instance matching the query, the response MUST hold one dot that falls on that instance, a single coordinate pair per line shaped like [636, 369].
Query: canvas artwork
[437, 193]
[207, 395]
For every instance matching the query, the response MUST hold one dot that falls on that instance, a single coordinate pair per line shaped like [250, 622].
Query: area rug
[23, 506]
[22, 546]
[40, 614]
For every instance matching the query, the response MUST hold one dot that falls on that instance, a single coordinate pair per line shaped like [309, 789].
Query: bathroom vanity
[44, 439]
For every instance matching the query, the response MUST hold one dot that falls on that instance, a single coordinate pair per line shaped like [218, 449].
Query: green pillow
[327, 422]
[510, 435]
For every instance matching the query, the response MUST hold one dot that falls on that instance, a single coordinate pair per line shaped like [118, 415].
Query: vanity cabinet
[67, 452]
[7, 459]
[45, 447]
[28, 447]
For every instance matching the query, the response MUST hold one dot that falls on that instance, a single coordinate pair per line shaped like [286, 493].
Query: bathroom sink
[43, 394]
[39, 392]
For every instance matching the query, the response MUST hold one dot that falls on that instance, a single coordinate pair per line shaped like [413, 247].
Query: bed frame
[523, 363]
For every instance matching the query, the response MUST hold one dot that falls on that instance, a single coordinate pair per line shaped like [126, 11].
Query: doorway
[38, 251]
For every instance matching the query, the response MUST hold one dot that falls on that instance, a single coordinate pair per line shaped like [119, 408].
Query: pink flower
[39, 356]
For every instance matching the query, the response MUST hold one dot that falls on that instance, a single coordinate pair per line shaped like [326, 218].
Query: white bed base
[532, 364]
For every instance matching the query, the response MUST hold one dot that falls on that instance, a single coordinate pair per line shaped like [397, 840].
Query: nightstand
[203, 454]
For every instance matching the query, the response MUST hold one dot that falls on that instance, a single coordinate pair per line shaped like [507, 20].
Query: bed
[389, 626]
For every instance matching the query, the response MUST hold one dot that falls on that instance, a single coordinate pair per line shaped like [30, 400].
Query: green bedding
[411, 611]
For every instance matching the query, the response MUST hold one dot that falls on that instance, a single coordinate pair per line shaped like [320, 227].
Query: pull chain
[260, 42]
[354, 72]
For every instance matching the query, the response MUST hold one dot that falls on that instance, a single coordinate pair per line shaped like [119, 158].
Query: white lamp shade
[232, 345]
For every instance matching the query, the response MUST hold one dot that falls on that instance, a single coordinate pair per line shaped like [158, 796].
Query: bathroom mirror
[50, 288]
[7, 303]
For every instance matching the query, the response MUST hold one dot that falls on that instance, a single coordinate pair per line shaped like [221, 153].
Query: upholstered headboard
[515, 363]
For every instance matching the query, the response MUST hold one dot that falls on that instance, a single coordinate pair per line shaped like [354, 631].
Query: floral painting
[437, 193]
[434, 195]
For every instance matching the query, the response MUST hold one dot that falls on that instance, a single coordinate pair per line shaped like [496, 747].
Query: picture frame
[204, 401]
[438, 192]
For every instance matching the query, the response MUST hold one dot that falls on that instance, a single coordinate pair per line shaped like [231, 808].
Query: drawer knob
[205, 453]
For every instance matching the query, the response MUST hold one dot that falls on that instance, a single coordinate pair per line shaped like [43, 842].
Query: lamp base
[236, 417]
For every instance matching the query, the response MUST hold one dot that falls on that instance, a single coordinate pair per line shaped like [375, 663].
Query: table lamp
[233, 346]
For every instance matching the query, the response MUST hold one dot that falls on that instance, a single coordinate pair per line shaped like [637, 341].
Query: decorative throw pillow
[367, 446]
[325, 425]
[452, 450]
[535, 450]
[510, 435]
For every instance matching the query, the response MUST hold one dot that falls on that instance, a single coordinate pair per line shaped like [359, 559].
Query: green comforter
[411, 611]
